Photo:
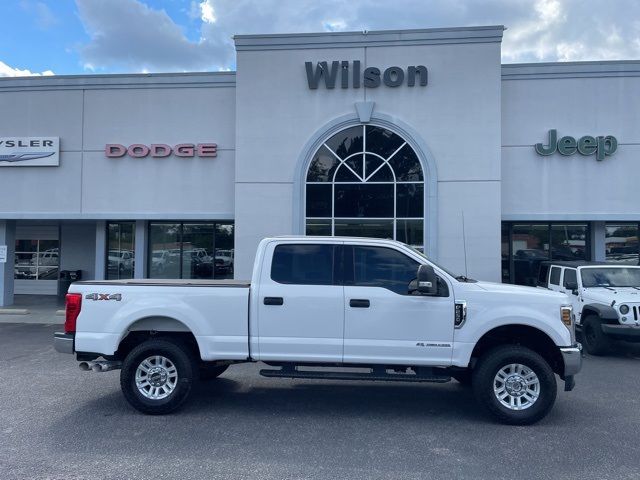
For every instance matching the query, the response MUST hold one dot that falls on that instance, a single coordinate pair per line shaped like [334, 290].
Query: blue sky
[115, 36]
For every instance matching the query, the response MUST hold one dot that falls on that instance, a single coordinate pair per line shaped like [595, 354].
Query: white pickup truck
[328, 308]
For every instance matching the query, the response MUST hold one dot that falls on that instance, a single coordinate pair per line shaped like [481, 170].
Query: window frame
[364, 179]
[551, 271]
[564, 276]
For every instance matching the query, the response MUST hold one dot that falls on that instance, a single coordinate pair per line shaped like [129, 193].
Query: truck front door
[301, 303]
[384, 324]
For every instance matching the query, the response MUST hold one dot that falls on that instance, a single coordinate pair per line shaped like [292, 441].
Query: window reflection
[191, 250]
[36, 260]
[120, 250]
[621, 243]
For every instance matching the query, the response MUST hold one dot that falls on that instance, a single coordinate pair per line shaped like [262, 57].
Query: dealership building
[418, 135]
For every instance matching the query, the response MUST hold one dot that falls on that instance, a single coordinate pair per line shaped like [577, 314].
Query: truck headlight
[566, 313]
[624, 309]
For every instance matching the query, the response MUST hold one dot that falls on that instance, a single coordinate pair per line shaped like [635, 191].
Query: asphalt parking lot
[57, 422]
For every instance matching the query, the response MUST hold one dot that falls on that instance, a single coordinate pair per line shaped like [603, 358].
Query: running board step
[376, 375]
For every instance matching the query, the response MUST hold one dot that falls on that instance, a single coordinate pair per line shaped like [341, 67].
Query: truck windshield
[610, 277]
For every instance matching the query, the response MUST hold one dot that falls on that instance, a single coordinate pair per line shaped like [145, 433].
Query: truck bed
[168, 282]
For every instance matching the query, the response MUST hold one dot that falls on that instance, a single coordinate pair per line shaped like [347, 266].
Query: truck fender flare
[605, 312]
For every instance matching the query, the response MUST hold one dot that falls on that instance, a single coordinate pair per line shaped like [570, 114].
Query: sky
[69, 37]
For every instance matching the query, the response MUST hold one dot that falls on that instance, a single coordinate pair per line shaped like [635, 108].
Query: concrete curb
[14, 311]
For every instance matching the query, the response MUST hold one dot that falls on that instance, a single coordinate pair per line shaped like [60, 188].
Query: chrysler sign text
[29, 151]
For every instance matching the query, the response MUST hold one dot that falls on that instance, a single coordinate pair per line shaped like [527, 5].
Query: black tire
[179, 355]
[210, 372]
[485, 373]
[594, 340]
[463, 377]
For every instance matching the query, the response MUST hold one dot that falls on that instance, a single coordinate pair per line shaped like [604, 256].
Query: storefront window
[191, 250]
[621, 243]
[366, 181]
[526, 245]
[120, 250]
[37, 260]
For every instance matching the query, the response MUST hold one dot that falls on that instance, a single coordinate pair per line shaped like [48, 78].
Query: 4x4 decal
[104, 296]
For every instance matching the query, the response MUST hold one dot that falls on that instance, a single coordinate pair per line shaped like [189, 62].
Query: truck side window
[570, 277]
[554, 278]
[383, 267]
[303, 264]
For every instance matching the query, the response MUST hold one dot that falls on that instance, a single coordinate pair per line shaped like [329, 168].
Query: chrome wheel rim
[156, 377]
[516, 386]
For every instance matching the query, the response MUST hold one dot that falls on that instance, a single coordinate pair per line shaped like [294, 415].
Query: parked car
[605, 299]
[120, 261]
[159, 260]
[329, 303]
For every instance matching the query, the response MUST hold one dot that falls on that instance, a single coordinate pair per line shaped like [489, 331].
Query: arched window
[366, 181]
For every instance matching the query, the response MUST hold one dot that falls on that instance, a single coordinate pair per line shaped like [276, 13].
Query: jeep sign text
[587, 145]
[161, 150]
[370, 78]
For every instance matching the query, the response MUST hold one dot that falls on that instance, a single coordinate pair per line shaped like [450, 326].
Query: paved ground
[57, 422]
[34, 309]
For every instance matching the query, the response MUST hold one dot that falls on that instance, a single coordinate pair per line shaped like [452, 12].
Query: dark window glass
[303, 264]
[554, 278]
[322, 166]
[569, 242]
[406, 165]
[621, 243]
[191, 250]
[36, 260]
[376, 170]
[382, 141]
[506, 268]
[319, 200]
[224, 250]
[197, 250]
[543, 274]
[570, 277]
[410, 232]
[410, 200]
[364, 228]
[165, 246]
[346, 142]
[120, 250]
[351, 170]
[319, 227]
[364, 200]
[530, 247]
[383, 267]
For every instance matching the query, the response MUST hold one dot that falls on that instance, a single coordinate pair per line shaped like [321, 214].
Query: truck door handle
[359, 303]
[273, 301]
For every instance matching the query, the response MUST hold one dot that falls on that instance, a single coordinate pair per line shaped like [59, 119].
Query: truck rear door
[300, 303]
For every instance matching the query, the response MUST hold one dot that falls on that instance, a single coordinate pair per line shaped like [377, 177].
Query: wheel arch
[157, 326]
[605, 312]
[524, 335]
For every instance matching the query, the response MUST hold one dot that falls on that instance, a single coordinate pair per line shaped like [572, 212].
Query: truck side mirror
[573, 286]
[427, 280]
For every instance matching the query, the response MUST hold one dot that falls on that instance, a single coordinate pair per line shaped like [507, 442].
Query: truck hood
[520, 290]
[606, 296]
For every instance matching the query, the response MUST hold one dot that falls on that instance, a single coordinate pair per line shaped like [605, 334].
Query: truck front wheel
[515, 384]
[157, 376]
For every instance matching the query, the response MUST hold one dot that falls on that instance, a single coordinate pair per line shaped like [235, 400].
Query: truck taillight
[72, 310]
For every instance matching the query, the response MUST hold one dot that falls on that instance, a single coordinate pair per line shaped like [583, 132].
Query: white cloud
[130, 35]
[7, 71]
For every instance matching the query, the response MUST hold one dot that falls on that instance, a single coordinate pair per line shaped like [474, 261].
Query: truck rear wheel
[157, 376]
[515, 384]
[594, 339]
